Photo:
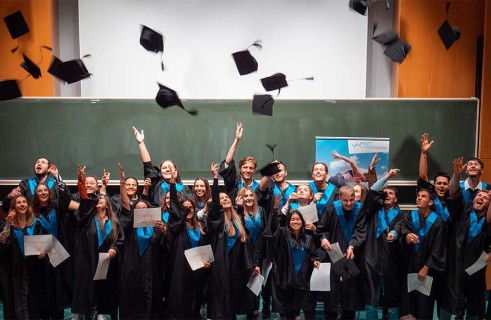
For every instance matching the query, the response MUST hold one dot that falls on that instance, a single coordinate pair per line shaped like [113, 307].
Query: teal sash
[19, 234]
[253, 224]
[50, 225]
[348, 227]
[440, 210]
[321, 204]
[166, 187]
[254, 185]
[422, 231]
[107, 230]
[194, 236]
[33, 184]
[475, 226]
[231, 240]
[385, 219]
[284, 194]
[143, 237]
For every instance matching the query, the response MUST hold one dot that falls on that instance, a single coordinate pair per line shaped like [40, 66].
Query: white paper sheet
[102, 266]
[255, 283]
[146, 217]
[196, 256]
[321, 278]
[424, 286]
[267, 266]
[478, 265]
[335, 254]
[309, 213]
[34, 245]
[57, 254]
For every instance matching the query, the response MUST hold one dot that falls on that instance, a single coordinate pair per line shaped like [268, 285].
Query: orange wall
[485, 150]
[39, 16]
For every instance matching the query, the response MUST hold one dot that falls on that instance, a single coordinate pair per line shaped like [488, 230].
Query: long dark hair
[35, 201]
[207, 190]
[112, 217]
[301, 241]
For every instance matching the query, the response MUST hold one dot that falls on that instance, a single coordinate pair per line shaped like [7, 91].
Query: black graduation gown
[186, 286]
[232, 180]
[344, 295]
[156, 193]
[24, 271]
[459, 285]
[431, 253]
[85, 261]
[142, 277]
[380, 261]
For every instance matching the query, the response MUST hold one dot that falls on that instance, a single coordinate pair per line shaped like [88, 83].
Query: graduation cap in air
[9, 89]
[278, 81]
[152, 41]
[359, 6]
[31, 67]
[262, 104]
[69, 71]
[16, 24]
[166, 97]
[270, 169]
[244, 60]
[449, 34]
[396, 49]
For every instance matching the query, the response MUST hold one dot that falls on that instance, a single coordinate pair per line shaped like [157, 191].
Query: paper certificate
[309, 213]
[478, 265]
[57, 254]
[34, 245]
[335, 254]
[424, 286]
[146, 217]
[102, 266]
[196, 256]
[321, 278]
[267, 266]
[255, 283]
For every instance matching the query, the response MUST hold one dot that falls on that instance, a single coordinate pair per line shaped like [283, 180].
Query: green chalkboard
[98, 133]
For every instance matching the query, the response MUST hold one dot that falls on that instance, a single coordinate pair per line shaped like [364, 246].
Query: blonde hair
[255, 207]
[346, 191]
[14, 221]
[238, 222]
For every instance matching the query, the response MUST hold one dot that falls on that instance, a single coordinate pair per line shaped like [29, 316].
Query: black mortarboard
[386, 37]
[166, 97]
[397, 50]
[359, 6]
[69, 71]
[151, 40]
[9, 89]
[274, 82]
[345, 269]
[244, 60]
[16, 24]
[31, 67]
[270, 169]
[263, 104]
[449, 34]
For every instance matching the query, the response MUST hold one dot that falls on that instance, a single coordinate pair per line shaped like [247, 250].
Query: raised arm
[354, 167]
[140, 138]
[423, 158]
[215, 193]
[377, 186]
[233, 147]
[82, 189]
[458, 167]
[125, 201]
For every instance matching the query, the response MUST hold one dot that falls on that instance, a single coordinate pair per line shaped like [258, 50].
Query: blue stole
[384, 220]
[165, 216]
[107, 230]
[201, 205]
[347, 226]
[253, 224]
[440, 211]
[284, 194]
[194, 236]
[231, 240]
[298, 256]
[19, 234]
[320, 204]
[143, 236]
[50, 225]
[33, 183]
[421, 231]
[475, 226]
[166, 187]
[254, 185]
[294, 205]
[467, 194]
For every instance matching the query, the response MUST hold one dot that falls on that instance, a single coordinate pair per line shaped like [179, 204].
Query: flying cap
[244, 60]
[397, 49]
[166, 97]
[31, 67]
[359, 6]
[69, 71]
[274, 82]
[9, 89]
[151, 40]
[262, 104]
[270, 169]
[16, 24]
[449, 34]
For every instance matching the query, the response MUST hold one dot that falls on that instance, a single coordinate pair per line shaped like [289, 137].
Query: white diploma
[57, 254]
[424, 286]
[102, 266]
[34, 245]
[309, 213]
[478, 265]
[146, 217]
[196, 256]
[321, 278]
[255, 283]
[267, 266]
[335, 254]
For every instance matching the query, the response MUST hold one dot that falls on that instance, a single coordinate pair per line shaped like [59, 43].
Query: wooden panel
[430, 70]
[38, 14]
[485, 138]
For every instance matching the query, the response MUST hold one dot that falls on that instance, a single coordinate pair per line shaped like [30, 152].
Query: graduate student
[324, 192]
[423, 239]
[202, 195]
[97, 231]
[343, 223]
[160, 176]
[470, 186]
[465, 293]
[303, 196]
[247, 166]
[142, 263]
[131, 187]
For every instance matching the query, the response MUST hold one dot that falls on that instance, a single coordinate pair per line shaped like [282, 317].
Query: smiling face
[249, 199]
[42, 193]
[481, 201]
[199, 188]
[280, 176]
[21, 205]
[91, 185]
[347, 201]
[304, 192]
[390, 198]
[166, 170]
[189, 205]
[247, 170]
[474, 168]
[319, 172]
[295, 223]
[131, 186]
[225, 201]
[442, 184]
[41, 167]
[102, 204]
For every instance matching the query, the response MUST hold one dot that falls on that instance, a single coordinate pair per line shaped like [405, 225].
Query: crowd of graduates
[249, 225]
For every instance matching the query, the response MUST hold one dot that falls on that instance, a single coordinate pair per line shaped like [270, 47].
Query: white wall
[320, 38]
